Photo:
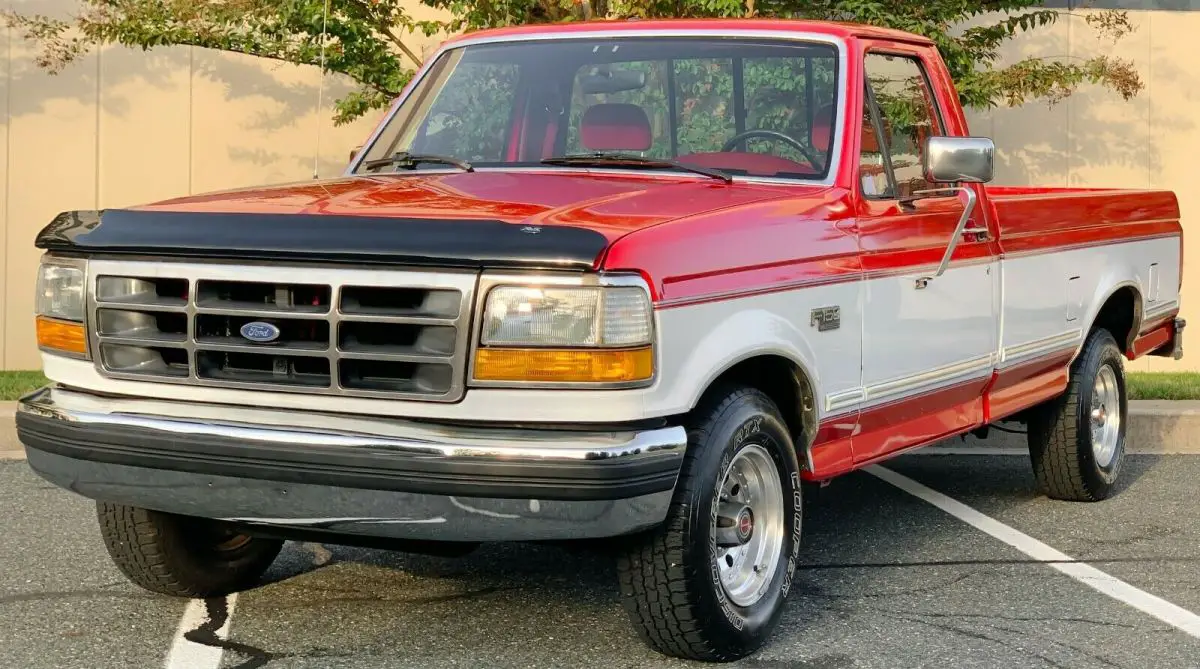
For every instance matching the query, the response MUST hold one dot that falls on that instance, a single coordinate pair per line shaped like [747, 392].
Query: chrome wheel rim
[1105, 416]
[748, 529]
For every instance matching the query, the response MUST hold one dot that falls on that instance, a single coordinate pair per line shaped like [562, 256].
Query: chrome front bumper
[378, 477]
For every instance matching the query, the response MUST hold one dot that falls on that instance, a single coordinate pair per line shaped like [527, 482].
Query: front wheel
[711, 582]
[1077, 440]
[182, 556]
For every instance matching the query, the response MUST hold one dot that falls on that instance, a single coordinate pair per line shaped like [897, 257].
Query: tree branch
[383, 24]
[396, 40]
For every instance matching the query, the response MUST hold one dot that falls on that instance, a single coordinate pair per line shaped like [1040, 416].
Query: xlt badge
[826, 318]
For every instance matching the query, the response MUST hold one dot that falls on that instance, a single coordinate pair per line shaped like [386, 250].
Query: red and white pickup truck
[635, 279]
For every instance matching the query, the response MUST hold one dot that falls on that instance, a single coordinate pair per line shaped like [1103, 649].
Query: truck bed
[1035, 219]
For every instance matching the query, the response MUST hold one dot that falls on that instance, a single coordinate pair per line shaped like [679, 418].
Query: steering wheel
[741, 138]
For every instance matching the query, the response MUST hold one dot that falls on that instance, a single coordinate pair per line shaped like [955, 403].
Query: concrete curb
[1156, 427]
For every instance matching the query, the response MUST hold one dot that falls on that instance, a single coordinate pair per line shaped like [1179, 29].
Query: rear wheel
[1077, 440]
[180, 555]
[711, 582]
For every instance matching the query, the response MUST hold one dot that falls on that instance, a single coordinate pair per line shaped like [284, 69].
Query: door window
[873, 172]
[905, 114]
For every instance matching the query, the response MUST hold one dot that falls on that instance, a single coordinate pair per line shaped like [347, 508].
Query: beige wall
[124, 127]
[1096, 139]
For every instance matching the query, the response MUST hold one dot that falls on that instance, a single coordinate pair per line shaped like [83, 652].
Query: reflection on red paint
[1151, 341]
[1028, 383]
[914, 420]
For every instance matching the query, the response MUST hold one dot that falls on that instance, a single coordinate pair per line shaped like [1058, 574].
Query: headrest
[615, 127]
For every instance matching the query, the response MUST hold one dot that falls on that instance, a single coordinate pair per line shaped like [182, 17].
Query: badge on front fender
[826, 318]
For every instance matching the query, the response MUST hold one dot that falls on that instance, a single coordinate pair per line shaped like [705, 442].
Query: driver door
[928, 346]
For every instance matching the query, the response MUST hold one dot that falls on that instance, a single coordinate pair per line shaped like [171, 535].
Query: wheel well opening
[786, 384]
[1118, 314]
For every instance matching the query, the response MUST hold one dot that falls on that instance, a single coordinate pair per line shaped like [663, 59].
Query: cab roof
[716, 26]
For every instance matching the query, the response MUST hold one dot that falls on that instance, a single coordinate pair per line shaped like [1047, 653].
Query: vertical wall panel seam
[191, 103]
[1150, 101]
[99, 81]
[1070, 104]
[8, 83]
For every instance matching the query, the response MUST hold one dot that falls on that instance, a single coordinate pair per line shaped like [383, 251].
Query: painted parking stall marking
[1175, 616]
[192, 647]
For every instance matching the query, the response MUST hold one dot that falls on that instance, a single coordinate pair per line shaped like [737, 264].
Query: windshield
[746, 107]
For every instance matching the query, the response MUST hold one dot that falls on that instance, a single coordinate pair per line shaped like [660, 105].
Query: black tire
[1060, 435]
[182, 556]
[670, 585]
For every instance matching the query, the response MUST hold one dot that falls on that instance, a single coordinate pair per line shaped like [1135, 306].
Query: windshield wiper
[410, 161]
[615, 158]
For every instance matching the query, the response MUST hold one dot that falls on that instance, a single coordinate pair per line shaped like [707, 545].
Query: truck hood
[610, 204]
[490, 218]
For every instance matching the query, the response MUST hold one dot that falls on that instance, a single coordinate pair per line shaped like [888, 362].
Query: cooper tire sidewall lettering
[714, 503]
[797, 527]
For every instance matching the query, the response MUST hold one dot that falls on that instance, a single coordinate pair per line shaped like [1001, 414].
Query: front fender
[701, 342]
[744, 335]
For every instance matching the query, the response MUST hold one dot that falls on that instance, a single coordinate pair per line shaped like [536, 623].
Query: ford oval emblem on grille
[260, 332]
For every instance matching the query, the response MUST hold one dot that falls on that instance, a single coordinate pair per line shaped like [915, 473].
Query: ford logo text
[260, 332]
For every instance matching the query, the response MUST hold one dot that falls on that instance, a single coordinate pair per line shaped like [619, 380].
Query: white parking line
[187, 654]
[1175, 616]
[1024, 452]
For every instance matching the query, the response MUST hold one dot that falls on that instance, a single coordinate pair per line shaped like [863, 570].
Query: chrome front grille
[388, 333]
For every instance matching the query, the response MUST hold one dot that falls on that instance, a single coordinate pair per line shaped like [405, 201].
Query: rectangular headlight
[59, 306]
[592, 316]
[60, 292]
[595, 336]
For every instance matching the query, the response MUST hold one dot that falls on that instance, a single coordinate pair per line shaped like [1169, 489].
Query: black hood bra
[323, 237]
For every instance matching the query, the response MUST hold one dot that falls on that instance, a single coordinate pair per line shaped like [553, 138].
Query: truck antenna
[321, 92]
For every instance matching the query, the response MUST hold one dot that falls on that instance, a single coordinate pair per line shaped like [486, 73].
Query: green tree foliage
[363, 39]
[367, 40]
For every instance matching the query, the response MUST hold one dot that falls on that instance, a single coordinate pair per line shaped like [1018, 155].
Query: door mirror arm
[955, 160]
[969, 209]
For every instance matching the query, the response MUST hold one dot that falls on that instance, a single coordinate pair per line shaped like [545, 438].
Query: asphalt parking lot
[889, 581]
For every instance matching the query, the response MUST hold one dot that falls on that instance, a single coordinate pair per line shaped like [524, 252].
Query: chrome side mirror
[959, 159]
[956, 160]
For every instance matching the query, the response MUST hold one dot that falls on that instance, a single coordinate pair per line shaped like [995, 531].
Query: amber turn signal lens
[61, 336]
[536, 365]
